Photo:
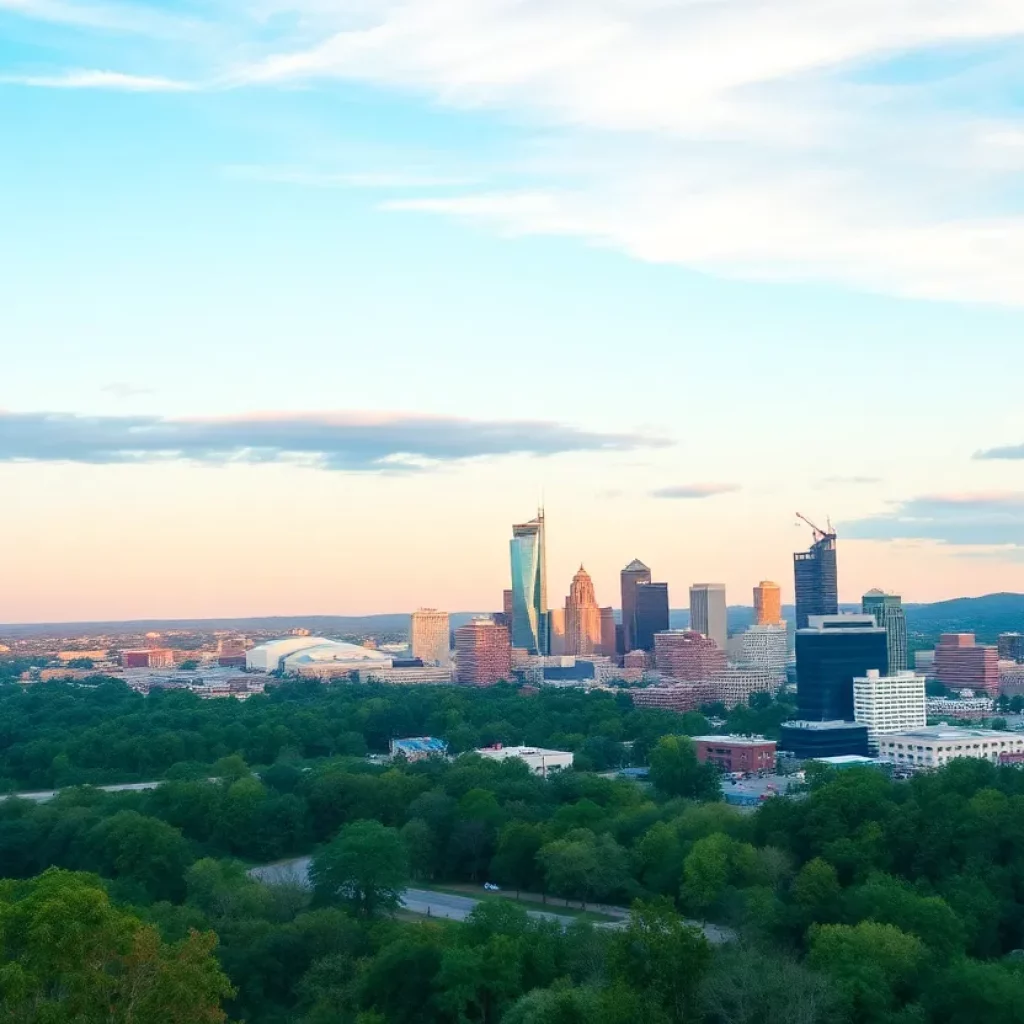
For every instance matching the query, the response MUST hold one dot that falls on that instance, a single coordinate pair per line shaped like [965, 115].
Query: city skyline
[322, 296]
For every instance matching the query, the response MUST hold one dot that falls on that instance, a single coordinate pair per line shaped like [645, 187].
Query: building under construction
[816, 576]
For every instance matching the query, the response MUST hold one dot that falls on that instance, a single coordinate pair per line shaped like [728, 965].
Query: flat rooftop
[838, 723]
[950, 732]
[734, 741]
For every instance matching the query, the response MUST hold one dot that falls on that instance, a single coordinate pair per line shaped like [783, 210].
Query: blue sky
[681, 268]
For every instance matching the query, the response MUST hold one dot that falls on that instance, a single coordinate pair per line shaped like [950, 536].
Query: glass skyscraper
[889, 614]
[816, 576]
[529, 586]
[650, 615]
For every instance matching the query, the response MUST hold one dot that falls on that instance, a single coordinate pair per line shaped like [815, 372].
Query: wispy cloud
[112, 81]
[339, 441]
[984, 519]
[1013, 451]
[855, 481]
[120, 389]
[694, 491]
[406, 179]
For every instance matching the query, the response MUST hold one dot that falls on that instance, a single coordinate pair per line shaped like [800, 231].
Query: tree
[515, 863]
[661, 958]
[714, 863]
[72, 957]
[676, 771]
[366, 866]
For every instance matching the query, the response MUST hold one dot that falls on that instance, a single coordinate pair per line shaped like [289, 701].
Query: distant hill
[987, 616]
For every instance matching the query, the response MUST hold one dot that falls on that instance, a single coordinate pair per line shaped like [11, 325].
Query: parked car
[491, 887]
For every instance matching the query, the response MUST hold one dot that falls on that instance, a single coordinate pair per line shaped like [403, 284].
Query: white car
[491, 887]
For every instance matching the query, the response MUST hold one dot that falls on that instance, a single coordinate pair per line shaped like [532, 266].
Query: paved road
[445, 905]
[41, 796]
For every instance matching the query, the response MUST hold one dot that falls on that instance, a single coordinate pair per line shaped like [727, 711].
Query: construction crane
[819, 533]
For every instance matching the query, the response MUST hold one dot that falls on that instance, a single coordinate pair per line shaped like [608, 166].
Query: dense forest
[866, 901]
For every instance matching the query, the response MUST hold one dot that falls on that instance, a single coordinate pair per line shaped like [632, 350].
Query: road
[450, 906]
[41, 796]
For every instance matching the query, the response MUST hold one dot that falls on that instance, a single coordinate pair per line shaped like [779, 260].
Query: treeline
[55, 734]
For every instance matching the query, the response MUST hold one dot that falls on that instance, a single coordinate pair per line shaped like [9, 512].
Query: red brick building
[962, 664]
[151, 657]
[737, 753]
[687, 656]
[483, 653]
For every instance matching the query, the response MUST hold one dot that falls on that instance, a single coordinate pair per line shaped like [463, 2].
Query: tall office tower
[707, 611]
[962, 664]
[1011, 647]
[529, 586]
[889, 614]
[609, 644]
[582, 616]
[556, 632]
[830, 653]
[817, 579]
[483, 655]
[687, 655]
[634, 573]
[767, 604]
[429, 636]
[506, 609]
[650, 615]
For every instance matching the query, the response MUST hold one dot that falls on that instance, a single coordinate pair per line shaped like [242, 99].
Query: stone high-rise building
[708, 611]
[482, 652]
[429, 636]
[767, 604]
[582, 617]
[635, 573]
[608, 633]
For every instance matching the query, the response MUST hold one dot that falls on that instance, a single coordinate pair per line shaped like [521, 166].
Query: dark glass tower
[631, 577]
[529, 586]
[829, 654]
[651, 614]
[889, 614]
[817, 580]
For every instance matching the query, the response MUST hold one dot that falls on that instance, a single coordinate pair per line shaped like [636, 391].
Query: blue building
[529, 586]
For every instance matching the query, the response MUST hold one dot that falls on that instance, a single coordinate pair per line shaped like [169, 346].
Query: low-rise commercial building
[735, 685]
[424, 675]
[806, 739]
[964, 708]
[539, 761]
[418, 748]
[736, 753]
[889, 703]
[672, 696]
[936, 745]
[150, 657]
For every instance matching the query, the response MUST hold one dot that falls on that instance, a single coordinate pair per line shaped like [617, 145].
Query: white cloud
[728, 137]
[110, 80]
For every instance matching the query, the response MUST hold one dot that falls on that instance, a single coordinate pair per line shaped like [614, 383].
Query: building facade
[529, 586]
[429, 636]
[688, 656]
[767, 604]
[651, 614]
[673, 696]
[889, 614]
[962, 664]
[557, 646]
[889, 703]
[735, 685]
[483, 653]
[830, 653]
[737, 753]
[539, 761]
[823, 739]
[708, 612]
[635, 573]
[936, 745]
[582, 617]
[609, 643]
[1011, 647]
[765, 647]
[816, 575]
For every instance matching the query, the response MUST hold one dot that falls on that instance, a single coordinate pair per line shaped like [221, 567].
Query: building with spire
[529, 586]
[582, 617]
[631, 577]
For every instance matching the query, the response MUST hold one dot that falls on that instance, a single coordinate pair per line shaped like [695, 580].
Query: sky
[304, 302]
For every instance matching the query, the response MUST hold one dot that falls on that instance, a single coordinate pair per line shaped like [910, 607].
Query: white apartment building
[765, 647]
[887, 704]
[936, 745]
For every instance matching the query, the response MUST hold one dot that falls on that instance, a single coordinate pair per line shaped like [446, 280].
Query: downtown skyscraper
[582, 617]
[708, 611]
[529, 586]
[816, 576]
[635, 574]
[889, 614]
